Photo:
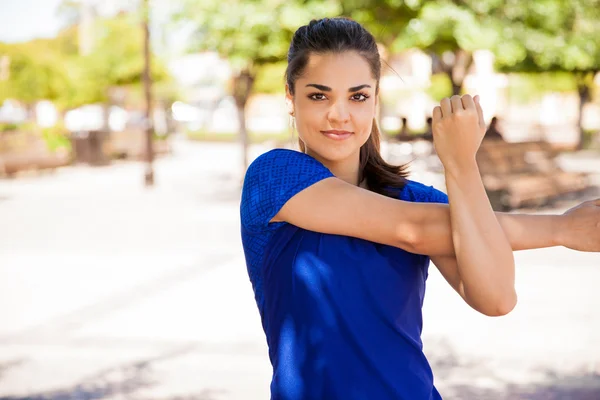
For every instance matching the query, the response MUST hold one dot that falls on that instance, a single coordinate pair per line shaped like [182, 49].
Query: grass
[255, 137]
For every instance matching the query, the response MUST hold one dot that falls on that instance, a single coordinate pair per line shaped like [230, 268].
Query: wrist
[559, 229]
[461, 169]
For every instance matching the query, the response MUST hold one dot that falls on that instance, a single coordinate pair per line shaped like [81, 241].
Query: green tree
[552, 36]
[385, 19]
[53, 69]
[33, 73]
[250, 35]
[450, 31]
[116, 60]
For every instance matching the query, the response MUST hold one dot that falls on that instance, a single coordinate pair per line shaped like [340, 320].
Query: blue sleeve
[437, 196]
[274, 178]
[417, 192]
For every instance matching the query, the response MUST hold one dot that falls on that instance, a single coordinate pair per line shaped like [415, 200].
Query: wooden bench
[12, 163]
[25, 151]
[131, 144]
[524, 174]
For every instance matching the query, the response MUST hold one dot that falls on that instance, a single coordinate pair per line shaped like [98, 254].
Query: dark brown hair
[338, 35]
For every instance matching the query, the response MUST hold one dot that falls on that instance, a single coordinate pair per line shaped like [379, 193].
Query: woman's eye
[317, 96]
[360, 97]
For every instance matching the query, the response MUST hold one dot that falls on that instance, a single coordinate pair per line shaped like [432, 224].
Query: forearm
[523, 231]
[484, 255]
[526, 232]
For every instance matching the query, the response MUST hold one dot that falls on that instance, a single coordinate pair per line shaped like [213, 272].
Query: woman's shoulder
[272, 179]
[281, 155]
[281, 168]
[283, 162]
[421, 193]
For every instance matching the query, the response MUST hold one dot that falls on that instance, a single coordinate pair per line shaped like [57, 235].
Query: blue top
[342, 315]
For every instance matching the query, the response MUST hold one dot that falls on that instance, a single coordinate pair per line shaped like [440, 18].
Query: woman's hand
[580, 229]
[458, 129]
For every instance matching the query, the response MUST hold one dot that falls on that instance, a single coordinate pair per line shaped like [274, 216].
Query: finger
[479, 112]
[446, 107]
[437, 113]
[456, 103]
[467, 102]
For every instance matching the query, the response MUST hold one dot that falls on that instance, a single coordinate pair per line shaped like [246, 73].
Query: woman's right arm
[337, 207]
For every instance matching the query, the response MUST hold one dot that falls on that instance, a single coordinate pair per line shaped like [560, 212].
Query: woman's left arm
[577, 229]
[484, 255]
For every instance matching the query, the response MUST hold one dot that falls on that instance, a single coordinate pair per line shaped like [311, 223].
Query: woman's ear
[289, 100]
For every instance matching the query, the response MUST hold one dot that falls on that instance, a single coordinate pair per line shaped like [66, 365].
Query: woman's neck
[346, 170]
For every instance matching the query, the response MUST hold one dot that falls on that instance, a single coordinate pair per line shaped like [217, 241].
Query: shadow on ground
[469, 378]
[5, 366]
[133, 380]
[461, 380]
[582, 387]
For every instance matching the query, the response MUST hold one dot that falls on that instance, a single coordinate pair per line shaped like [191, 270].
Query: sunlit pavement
[109, 290]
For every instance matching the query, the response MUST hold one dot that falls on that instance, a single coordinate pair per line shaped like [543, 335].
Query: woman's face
[334, 105]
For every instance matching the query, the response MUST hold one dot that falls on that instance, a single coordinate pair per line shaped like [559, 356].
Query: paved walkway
[112, 291]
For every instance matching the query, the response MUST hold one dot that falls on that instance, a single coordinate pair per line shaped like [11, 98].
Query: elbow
[504, 298]
[502, 306]
[409, 238]
[491, 304]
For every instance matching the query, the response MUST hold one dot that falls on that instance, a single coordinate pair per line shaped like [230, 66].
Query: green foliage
[549, 35]
[56, 138]
[8, 127]
[270, 78]
[33, 74]
[52, 68]
[441, 87]
[383, 18]
[524, 88]
[116, 60]
[444, 25]
[250, 33]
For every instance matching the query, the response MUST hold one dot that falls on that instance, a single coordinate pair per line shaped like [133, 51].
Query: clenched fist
[458, 129]
[581, 227]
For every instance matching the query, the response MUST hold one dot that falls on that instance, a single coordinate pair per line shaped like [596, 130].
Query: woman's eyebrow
[328, 89]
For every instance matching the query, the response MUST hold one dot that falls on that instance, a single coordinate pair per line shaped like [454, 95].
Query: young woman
[338, 242]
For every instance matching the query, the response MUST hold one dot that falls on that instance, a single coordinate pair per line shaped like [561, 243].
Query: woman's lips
[337, 135]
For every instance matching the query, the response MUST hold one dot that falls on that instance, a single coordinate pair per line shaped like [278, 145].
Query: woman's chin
[335, 153]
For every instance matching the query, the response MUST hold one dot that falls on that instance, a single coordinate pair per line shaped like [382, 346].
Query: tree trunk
[147, 79]
[456, 67]
[583, 90]
[31, 114]
[243, 136]
[242, 87]
[456, 86]
[106, 117]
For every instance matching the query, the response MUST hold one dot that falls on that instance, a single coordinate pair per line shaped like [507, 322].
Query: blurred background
[126, 127]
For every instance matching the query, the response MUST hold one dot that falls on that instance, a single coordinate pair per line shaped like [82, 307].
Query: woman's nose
[339, 112]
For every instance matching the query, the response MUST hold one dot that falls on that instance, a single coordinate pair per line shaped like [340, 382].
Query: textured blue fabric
[342, 315]
[271, 180]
